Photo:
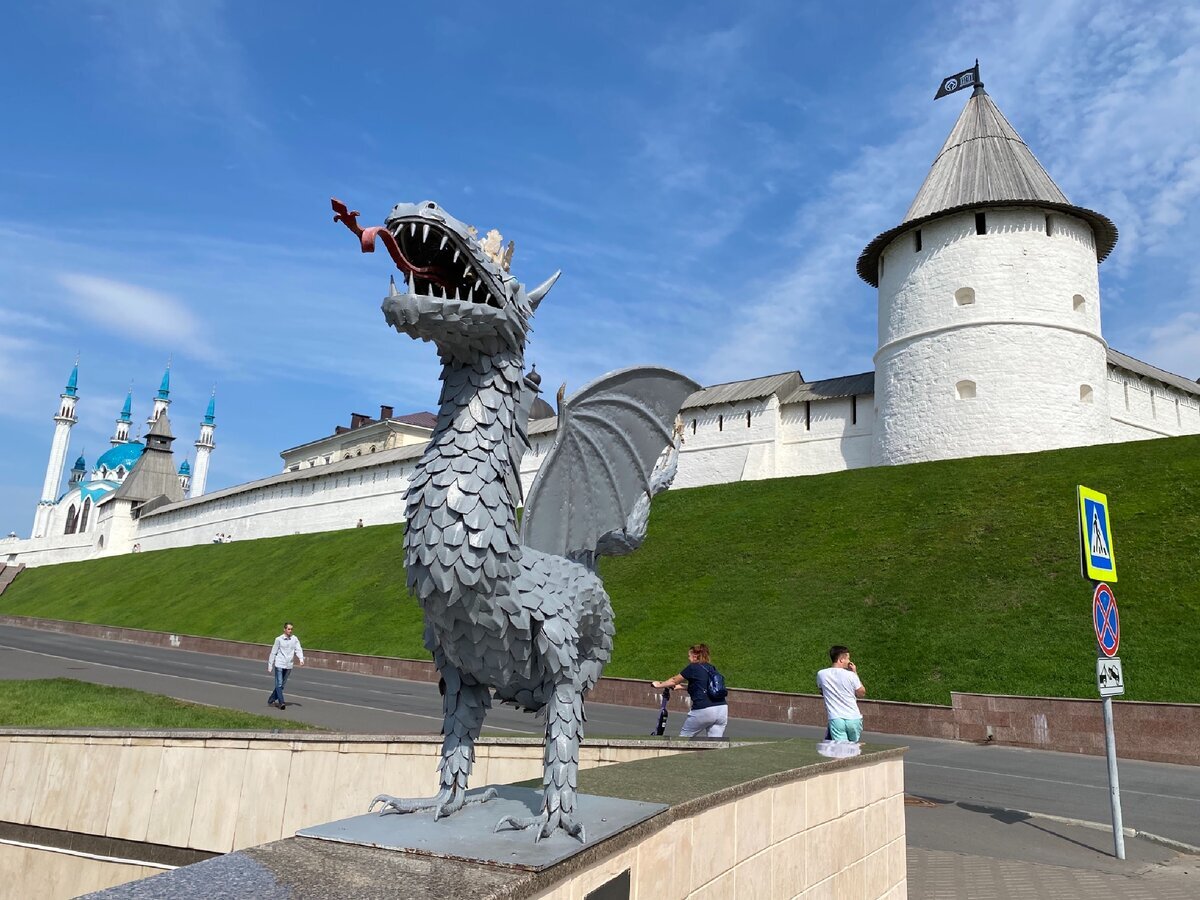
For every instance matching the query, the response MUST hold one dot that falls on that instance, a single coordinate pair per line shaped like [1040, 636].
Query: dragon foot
[443, 803]
[546, 824]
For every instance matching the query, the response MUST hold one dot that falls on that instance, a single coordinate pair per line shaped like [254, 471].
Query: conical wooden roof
[983, 163]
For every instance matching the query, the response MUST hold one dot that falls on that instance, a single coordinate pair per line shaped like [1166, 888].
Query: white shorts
[710, 721]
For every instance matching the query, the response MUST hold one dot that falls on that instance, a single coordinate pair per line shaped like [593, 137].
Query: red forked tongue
[367, 236]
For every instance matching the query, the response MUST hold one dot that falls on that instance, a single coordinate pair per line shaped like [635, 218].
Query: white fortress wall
[45, 551]
[831, 435]
[327, 501]
[1142, 409]
[990, 343]
[729, 442]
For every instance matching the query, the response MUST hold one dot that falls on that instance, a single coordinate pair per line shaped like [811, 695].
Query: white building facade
[989, 342]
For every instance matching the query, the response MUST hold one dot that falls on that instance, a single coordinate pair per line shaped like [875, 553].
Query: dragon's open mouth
[435, 263]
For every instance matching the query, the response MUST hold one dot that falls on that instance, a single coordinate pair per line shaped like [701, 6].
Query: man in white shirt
[283, 651]
[841, 689]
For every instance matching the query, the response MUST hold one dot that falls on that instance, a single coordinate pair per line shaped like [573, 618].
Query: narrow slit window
[721, 422]
[917, 240]
[693, 426]
[853, 409]
[980, 223]
[808, 415]
[747, 418]
[1049, 227]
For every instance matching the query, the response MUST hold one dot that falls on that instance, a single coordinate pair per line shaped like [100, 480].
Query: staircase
[7, 574]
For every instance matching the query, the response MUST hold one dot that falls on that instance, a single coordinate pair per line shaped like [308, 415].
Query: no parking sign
[1105, 620]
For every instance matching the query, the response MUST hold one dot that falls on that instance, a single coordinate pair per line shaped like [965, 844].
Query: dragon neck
[462, 540]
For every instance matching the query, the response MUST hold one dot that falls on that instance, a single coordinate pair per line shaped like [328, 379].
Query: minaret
[58, 454]
[77, 472]
[121, 435]
[204, 446]
[989, 306]
[185, 476]
[163, 399]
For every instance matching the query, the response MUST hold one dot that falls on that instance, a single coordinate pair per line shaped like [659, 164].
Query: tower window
[853, 409]
[747, 418]
[808, 415]
[964, 296]
[965, 390]
[1049, 227]
[1085, 393]
[721, 423]
[1078, 303]
[693, 426]
[980, 223]
[917, 241]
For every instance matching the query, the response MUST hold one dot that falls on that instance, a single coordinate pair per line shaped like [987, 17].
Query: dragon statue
[518, 613]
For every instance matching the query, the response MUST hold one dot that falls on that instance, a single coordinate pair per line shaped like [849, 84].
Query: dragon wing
[610, 434]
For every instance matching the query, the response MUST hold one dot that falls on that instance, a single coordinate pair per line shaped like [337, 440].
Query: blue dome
[121, 455]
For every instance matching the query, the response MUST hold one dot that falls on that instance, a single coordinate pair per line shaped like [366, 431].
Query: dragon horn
[536, 295]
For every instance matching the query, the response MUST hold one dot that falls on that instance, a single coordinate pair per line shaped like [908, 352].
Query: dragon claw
[546, 824]
[444, 803]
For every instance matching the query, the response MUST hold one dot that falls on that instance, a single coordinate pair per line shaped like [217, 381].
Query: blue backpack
[715, 689]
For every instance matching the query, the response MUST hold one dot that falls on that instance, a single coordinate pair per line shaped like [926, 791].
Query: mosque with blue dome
[131, 477]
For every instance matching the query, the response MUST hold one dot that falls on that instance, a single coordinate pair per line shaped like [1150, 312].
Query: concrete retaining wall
[837, 834]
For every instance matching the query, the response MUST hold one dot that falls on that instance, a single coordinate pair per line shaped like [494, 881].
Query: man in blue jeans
[285, 649]
[841, 688]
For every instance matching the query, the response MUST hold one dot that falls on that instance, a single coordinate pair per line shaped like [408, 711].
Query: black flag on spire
[965, 79]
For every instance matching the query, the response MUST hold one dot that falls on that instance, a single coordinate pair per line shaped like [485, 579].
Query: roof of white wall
[1123, 361]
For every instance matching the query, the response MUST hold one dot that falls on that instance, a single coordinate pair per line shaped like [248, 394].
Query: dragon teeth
[456, 255]
[445, 240]
[425, 233]
[412, 228]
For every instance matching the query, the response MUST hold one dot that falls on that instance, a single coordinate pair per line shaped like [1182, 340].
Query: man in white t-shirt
[841, 689]
[285, 649]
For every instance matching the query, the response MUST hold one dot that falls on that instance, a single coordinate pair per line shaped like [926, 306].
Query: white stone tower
[162, 399]
[989, 306]
[121, 434]
[204, 446]
[58, 454]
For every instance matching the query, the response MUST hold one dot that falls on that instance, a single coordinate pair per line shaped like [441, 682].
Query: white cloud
[180, 56]
[1175, 346]
[148, 316]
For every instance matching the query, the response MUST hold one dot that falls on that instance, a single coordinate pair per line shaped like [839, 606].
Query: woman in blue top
[708, 717]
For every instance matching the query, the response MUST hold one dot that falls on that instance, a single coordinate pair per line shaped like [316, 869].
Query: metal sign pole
[1114, 785]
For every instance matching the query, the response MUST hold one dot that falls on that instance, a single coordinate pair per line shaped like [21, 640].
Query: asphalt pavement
[970, 828]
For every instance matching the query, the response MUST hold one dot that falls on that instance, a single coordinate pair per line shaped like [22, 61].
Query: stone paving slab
[943, 875]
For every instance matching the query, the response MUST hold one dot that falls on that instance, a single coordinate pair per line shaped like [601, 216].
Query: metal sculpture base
[469, 834]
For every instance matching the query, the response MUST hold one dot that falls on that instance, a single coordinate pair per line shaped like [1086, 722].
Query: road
[961, 779]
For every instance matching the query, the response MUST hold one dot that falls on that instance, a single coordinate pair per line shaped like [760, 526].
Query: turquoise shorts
[845, 729]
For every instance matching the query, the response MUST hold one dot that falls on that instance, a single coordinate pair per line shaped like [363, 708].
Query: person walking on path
[285, 649]
[841, 688]
[709, 715]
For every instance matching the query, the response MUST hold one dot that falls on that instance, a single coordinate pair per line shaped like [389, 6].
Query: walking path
[962, 845]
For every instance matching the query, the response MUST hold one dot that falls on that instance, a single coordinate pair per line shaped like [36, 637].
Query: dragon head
[458, 291]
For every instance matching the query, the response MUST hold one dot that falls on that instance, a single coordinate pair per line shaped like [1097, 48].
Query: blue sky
[705, 174]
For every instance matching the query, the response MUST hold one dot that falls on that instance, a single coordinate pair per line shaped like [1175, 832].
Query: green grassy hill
[959, 575]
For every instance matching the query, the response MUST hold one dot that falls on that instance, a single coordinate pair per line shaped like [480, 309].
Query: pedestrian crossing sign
[1095, 536]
